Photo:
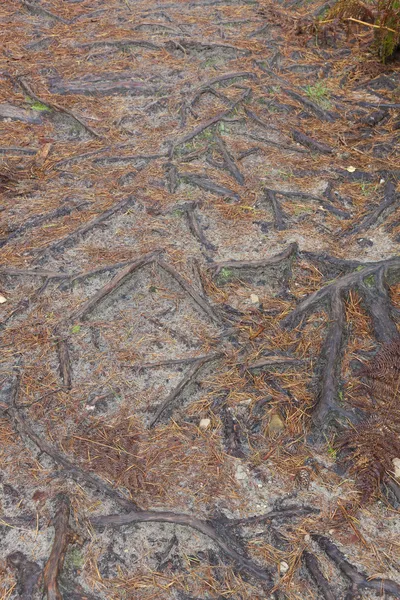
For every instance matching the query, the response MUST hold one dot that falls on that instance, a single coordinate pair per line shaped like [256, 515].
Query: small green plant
[370, 281]
[74, 559]
[319, 94]
[75, 329]
[225, 275]
[40, 107]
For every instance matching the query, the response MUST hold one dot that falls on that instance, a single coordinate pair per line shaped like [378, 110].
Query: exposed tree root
[24, 428]
[203, 527]
[229, 161]
[185, 381]
[65, 363]
[343, 284]
[74, 237]
[286, 512]
[196, 229]
[209, 185]
[88, 306]
[330, 358]
[200, 300]
[378, 304]
[313, 567]
[56, 559]
[277, 261]
[308, 142]
[389, 199]
[28, 90]
[359, 581]
[279, 216]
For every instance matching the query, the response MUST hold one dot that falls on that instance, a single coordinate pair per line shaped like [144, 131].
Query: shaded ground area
[200, 287]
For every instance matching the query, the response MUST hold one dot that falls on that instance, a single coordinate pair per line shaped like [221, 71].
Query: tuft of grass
[225, 275]
[319, 94]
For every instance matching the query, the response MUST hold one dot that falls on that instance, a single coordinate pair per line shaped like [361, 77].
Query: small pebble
[205, 423]
[2, 299]
[254, 299]
[307, 538]
[283, 567]
[275, 425]
[240, 472]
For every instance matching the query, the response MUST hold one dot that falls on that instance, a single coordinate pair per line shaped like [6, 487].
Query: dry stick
[188, 521]
[72, 238]
[389, 199]
[111, 286]
[64, 363]
[229, 162]
[28, 575]
[273, 261]
[55, 562]
[76, 473]
[378, 305]
[313, 567]
[359, 580]
[340, 285]
[195, 228]
[185, 381]
[28, 90]
[277, 209]
[200, 300]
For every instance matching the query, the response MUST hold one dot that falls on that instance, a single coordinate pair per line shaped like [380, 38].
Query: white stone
[396, 463]
[2, 299]
[283, 567]
[240, 472]
[205, 423]
[254, 299]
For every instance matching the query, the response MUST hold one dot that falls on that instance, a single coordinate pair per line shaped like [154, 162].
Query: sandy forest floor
[200, 286]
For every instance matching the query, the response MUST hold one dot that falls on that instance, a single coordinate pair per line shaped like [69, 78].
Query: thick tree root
[56, 559]
[359, 581]
[204, 527]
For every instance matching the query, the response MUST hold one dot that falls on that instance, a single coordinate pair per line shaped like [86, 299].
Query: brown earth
[199, 234]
